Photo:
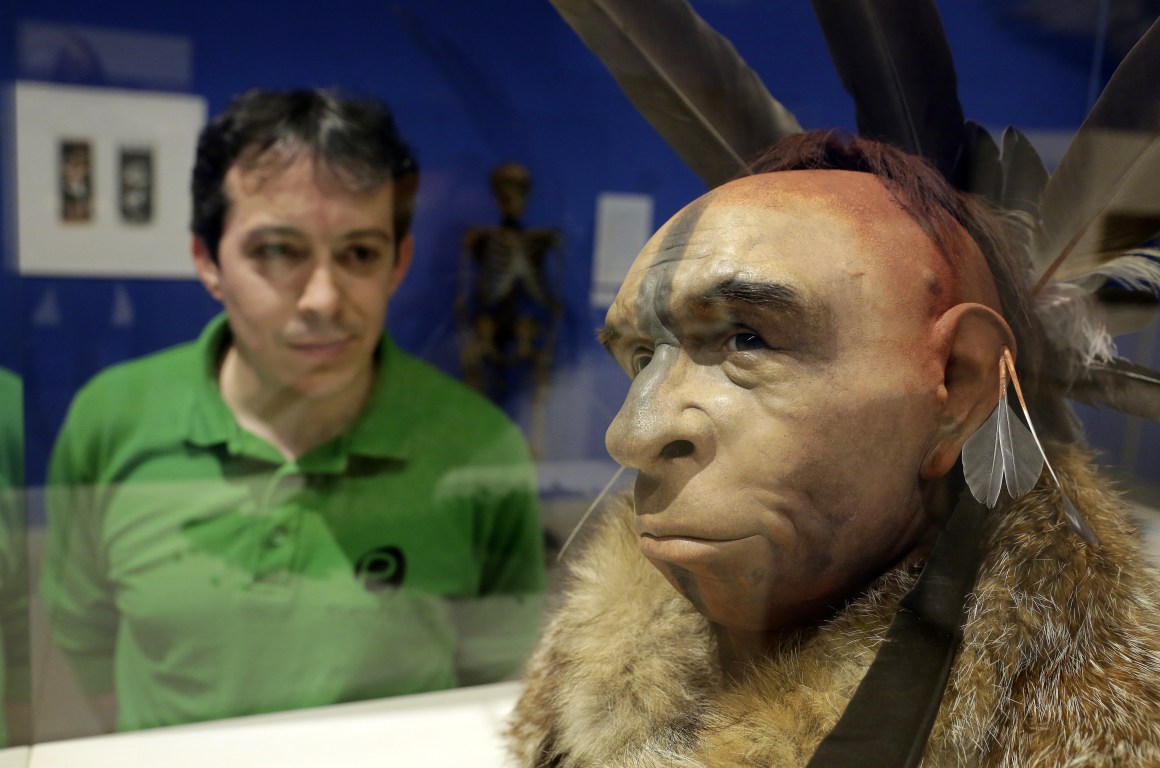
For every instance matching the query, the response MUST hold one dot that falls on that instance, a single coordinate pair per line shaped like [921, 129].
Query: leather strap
[888, 720]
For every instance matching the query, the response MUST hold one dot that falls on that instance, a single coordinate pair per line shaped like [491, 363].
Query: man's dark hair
[938, 208]
[356, 140]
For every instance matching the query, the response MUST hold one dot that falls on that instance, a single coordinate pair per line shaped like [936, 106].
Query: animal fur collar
[1059, 666]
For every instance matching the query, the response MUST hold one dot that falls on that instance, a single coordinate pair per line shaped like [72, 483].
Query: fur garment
[1059, 666]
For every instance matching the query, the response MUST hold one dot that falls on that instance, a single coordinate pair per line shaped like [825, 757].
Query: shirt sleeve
[14, 627]
[74, 583]
[14, 672]
[498, 628]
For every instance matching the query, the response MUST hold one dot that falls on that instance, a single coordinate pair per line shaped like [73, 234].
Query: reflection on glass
[289, 511]
[13, 566]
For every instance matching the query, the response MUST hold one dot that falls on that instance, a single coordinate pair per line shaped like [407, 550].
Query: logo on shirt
[381, 568]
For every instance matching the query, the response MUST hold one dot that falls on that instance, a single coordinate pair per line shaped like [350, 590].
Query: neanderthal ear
[971, 340]
[207, 268]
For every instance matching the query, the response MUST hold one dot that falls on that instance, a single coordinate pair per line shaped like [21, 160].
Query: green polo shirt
[196, 572]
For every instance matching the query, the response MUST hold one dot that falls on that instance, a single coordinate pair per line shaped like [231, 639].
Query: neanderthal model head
[808, 357]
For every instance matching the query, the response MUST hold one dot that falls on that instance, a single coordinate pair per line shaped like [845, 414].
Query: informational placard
[624, 223]
[102, 180]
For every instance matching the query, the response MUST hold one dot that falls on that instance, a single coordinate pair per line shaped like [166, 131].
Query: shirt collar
[209, 420]
[378, 432]
[381, 430]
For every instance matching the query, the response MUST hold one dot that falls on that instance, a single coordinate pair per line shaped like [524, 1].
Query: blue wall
[473, 84]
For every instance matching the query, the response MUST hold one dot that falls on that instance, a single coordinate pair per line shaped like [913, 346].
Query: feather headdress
[1090, 218]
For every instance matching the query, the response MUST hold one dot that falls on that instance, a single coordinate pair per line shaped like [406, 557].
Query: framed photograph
[135, 180]
[75, 175]
[102, 180]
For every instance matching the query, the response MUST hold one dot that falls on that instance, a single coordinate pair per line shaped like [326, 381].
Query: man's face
[305, 270]
[786, 387]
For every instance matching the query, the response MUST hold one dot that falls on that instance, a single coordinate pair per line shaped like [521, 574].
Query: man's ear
[208, 270]
[402, 263]
[972, 337]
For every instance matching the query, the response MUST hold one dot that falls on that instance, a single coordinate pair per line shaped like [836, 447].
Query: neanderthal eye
[640, 358]
[745, 342]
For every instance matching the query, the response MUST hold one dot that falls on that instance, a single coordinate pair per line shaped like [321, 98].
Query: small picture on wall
[136, 184]
[92, 179]
[76, 181]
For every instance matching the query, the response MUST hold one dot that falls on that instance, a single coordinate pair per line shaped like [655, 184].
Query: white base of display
[446, 728]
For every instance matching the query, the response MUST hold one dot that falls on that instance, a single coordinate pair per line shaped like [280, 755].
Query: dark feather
[893, 58]
[1024, 174]
[1101, 199]
[1122, 385]
[687, 80]
[983, 172]
[1125, 310]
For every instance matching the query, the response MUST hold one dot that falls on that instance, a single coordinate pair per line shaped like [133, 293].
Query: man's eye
[273, 250]
[363, 254]
[640, 359]
[745, 341]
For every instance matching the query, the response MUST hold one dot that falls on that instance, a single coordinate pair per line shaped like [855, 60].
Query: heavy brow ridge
[778, 297]
[774, 297]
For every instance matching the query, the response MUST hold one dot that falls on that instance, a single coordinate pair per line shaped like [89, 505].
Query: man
[290, 511]
[810, 349]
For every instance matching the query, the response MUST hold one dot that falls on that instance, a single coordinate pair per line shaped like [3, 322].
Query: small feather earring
[1005, 451]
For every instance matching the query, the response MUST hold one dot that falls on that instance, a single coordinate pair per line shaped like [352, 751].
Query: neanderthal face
[786, 390]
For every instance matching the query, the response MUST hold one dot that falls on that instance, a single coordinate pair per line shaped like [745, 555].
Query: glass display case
[504, 295]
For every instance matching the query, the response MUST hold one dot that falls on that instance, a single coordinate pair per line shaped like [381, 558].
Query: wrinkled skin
[788, 405]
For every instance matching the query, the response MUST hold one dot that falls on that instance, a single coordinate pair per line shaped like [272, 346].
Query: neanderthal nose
[676, 449]
[658, 421]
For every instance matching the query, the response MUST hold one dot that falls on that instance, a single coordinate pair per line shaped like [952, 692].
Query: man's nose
[661, 419]
[321, 295]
